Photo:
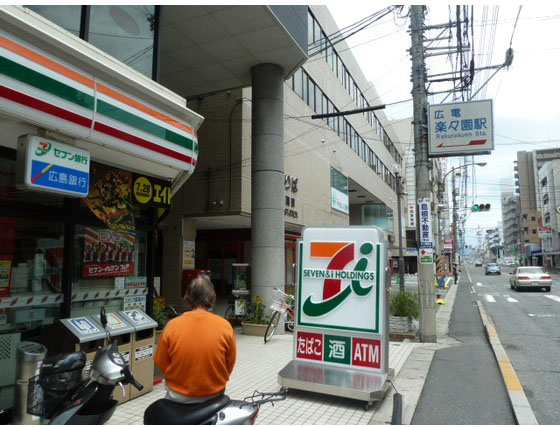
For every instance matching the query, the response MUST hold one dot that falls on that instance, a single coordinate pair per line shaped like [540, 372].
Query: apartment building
[511, 215]
[549, 197]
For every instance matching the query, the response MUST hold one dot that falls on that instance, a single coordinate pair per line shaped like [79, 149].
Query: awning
[56, 81]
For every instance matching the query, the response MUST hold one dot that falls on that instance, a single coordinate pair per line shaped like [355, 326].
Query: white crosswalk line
[510, 299]
[489, 298]
[553, 297]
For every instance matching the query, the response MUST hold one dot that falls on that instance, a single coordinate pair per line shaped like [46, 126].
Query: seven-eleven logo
[358, 280]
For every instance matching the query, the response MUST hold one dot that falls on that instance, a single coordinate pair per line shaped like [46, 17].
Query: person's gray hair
[200, 293]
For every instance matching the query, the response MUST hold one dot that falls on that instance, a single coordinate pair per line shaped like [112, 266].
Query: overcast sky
[525, 95]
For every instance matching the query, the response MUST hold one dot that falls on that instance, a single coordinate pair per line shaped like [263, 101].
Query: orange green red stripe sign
[48, 86]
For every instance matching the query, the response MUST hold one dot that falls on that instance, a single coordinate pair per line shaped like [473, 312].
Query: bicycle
[236, 309]
[285, 307]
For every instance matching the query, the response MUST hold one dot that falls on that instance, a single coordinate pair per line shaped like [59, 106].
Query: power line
[515, 26]
[336, 38]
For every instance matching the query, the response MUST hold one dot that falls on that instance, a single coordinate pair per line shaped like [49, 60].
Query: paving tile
[257, 368]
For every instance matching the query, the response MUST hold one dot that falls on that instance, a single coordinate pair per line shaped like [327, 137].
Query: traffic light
[481, 207]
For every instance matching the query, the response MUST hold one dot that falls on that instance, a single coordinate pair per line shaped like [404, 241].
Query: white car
[530, 277]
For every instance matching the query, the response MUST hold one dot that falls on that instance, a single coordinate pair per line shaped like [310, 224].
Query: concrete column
[267, 181]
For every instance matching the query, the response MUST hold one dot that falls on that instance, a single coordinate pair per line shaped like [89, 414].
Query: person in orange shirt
[197, 350]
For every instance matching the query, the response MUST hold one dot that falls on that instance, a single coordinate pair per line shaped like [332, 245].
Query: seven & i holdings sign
[340, 342]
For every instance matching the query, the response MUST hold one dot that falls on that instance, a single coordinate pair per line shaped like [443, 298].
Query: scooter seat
[167, 412]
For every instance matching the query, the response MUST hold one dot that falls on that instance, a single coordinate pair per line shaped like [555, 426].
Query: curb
[521, 407]
[414, 372]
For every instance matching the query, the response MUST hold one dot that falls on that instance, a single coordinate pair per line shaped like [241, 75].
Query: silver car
[492, 268]
[530, 277]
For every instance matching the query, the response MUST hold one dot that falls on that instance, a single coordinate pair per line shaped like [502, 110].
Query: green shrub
[405, 304]
[256, 311]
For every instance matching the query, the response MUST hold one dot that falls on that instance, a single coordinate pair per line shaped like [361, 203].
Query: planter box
[254, 329]
[402, 325]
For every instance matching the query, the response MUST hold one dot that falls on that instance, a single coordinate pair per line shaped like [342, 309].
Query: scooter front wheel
[272, 326]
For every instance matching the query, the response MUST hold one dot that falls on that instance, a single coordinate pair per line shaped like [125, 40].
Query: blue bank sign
[53, 167]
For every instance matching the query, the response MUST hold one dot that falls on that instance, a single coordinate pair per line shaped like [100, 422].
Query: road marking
[542, 315]
[489, 298]
[510, 299]
[473, 290]
[521, 406]
[478, 284]
[553, 297]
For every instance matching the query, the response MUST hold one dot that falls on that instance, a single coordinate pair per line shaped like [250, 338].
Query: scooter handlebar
[129, 378]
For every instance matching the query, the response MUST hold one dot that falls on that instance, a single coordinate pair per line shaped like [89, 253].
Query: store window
[31, 262]
[106, 261]
[124, 32]
[339, 192]
[67, 17]
[379, 215]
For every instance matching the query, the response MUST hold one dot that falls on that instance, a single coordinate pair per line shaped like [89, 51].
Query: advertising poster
[188, 255]
[108, 253]
[110, 197]
[135, 302]
[5, 270]
[5, 274]
[149, 191]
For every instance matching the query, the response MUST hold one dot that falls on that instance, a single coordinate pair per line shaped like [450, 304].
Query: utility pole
[426, 287]
[455, 241]
[399, 217]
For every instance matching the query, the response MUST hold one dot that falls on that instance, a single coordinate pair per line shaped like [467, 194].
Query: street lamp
[481, 164]
[454, 193]
[397, 171]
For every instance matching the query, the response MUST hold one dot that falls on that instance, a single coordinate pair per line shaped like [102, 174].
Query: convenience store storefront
[90, 155]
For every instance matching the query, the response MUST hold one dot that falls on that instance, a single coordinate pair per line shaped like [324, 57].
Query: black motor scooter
[60, 395]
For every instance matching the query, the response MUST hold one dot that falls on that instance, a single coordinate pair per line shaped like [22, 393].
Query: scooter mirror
[103, 318]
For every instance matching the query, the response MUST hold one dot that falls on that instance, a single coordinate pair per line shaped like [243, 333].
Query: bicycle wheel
[290, 323]
[272, 326]
[230, 313]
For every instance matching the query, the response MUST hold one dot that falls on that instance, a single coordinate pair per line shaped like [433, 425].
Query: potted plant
[160, 315]
[256, 319]
[404, 309]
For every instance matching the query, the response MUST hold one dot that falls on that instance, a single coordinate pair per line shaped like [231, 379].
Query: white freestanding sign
[460, 128]
[341, 335]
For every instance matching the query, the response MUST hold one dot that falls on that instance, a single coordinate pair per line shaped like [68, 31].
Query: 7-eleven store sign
[340, 298]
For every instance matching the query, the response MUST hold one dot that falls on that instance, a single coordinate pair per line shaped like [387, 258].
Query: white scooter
[219, 410]
[58, 394]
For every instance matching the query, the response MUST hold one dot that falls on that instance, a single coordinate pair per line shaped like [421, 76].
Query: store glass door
[220, 260]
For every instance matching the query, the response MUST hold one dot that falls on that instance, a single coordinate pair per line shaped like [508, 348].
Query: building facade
[527, 185]
[493, 244]
[337, 171]
[511, 214]
[97, 142]
[549, 197]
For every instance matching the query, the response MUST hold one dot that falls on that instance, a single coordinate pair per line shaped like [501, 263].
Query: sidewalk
[258, 365]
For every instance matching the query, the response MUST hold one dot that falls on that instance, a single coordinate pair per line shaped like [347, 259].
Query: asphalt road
[528, 325]
[464, 385]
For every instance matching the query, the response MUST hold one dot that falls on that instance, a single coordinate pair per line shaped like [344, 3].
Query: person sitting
[197, 350]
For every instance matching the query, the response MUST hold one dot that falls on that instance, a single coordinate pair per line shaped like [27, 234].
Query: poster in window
[188, 255]
[5, 274]
[108, 253]
[109, 197]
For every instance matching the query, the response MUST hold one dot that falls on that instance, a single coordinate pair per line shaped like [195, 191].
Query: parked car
[493, 269]
[530, 277]
[478, 263]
